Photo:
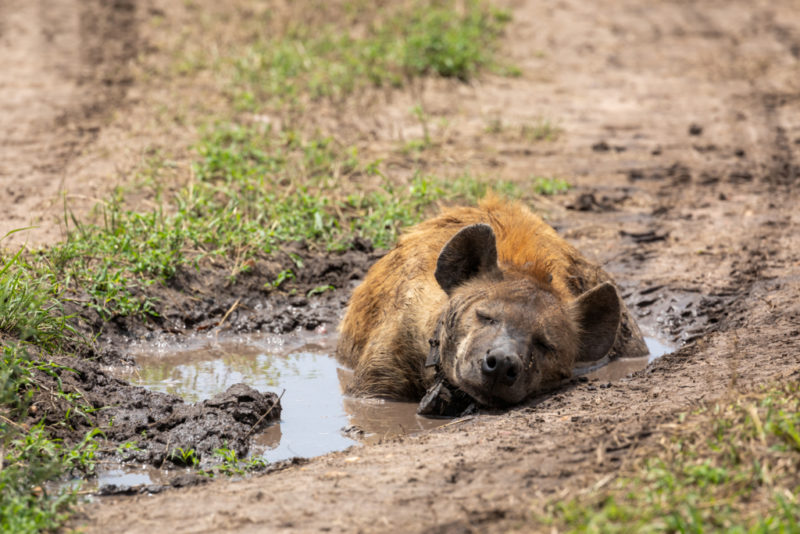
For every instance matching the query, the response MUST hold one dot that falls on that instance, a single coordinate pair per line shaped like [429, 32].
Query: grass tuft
[29, 305]
[30, 459]
[444, 38]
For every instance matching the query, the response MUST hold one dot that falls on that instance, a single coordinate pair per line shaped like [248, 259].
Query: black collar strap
[434, 354]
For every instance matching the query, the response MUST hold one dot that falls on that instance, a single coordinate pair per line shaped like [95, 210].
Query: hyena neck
[434, 352]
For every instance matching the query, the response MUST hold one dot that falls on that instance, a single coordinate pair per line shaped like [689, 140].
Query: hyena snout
[501, 365]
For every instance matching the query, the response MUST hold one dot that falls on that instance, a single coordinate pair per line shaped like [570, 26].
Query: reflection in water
[657, 348]
[126, 477]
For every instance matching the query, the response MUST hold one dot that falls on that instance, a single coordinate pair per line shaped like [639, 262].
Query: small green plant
[82, 456]
[282, 277]
[125, 450]
[231, 464]
[549, 186]
[30, 309]
[29, 457]
[185, 457]
[319, 290]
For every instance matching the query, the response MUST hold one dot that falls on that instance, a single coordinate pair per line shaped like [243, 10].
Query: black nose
[501, 365]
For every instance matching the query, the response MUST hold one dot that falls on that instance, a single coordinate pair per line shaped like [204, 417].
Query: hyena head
[503, 335]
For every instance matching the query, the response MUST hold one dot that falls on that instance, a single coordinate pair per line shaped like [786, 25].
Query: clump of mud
[162, 429]
[227, 420]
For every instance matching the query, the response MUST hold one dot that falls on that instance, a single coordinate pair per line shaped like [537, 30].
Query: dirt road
[681, 133]
[64, 70]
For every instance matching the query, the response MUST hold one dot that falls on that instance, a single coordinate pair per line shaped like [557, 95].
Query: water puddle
[316, 417]
[611, 371]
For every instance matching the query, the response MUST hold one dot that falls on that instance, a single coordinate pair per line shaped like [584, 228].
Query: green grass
[541, 185]
[30, 309]
[31, 460]
[539, 130]
[444, 38]
[231, 465]
[728, 468]
[254, 190]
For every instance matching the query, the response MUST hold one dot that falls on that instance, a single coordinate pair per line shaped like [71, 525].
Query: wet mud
[156, 425]
[316, 418]
[201, 303]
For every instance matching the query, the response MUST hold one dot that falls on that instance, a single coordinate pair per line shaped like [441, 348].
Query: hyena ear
[598, 315]
[470, 252]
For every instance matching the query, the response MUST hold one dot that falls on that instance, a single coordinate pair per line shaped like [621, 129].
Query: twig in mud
[602, 482]
[265, 414]
[458, 421]
[227, 313]
[166, 453]
[9, 421]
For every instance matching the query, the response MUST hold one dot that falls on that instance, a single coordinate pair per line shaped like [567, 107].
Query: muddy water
[316, 417]
[610, 371]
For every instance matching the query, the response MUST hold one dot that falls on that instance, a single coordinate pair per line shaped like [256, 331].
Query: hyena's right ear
[469, 253]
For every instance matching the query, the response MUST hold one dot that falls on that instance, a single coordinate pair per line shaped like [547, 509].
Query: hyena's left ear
[598, 315]
[469, 253]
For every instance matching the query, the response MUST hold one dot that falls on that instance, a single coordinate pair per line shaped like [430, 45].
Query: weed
[548, 186]
[231, 464]
[123, 449]
[29, 457]
[82, 456]
[29, 306]
[185, 457]
[741, 479]
[282, 277]
[319, 290]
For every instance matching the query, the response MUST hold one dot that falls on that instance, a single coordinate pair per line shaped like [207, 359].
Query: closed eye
[485, 318]
[542, 345]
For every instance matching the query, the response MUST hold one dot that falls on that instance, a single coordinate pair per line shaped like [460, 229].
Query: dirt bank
[681, 133]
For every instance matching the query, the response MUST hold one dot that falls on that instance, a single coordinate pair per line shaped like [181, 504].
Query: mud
[196, 302]
[157, 424]
[207, 298]
[681, 135]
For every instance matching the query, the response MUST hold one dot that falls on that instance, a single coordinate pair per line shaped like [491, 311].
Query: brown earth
[681, 133]
[65, 69]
